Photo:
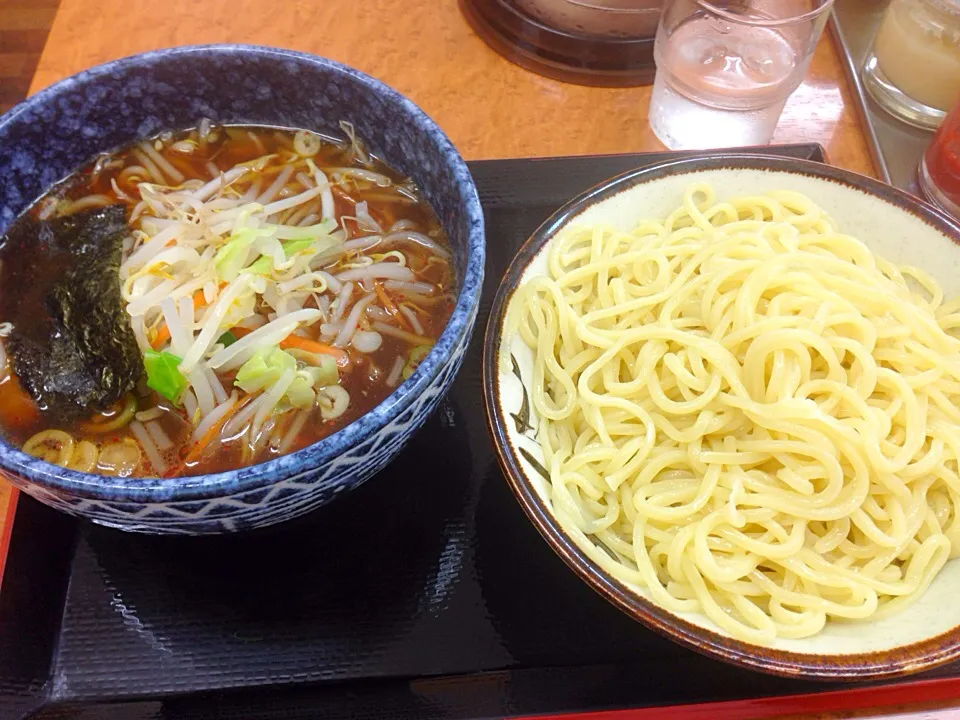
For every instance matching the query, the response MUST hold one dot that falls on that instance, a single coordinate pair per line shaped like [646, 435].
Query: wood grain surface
[24, 25]
[489, 107]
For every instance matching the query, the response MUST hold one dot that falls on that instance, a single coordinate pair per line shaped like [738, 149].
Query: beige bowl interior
[890, 232]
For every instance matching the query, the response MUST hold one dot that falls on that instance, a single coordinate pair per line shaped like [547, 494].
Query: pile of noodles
[747, 413]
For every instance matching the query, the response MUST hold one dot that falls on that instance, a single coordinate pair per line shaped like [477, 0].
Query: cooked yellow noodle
[747, 413]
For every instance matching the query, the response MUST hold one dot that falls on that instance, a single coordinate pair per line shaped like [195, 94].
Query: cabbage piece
[267, 366]
[163, 374]
[325, 372]
[264, 369]
[300, 394]
[261, 266]
[308, 232]
[316, 245]
[322, 368]
[232, 257]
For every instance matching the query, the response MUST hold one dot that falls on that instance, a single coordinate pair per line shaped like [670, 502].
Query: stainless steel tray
[896, 146]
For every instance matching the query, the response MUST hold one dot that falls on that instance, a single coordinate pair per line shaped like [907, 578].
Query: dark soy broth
[323, 264]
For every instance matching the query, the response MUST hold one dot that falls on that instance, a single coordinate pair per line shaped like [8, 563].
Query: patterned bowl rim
[253, 477]
[901, 660]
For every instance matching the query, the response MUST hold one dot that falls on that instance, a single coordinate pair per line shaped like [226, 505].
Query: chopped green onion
[163, 374]
[416, 357]
[227, 339]
[102, 423]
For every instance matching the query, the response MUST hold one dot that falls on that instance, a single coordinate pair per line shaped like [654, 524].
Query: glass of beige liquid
[914, 68]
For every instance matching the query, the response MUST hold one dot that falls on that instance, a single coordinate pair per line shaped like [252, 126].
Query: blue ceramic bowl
[59, 129]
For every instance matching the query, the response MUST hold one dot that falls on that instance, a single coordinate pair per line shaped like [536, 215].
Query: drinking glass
[913, 70]
[725, 68]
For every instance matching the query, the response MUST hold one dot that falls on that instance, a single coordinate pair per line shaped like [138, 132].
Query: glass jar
[940, 166]
[914, 68]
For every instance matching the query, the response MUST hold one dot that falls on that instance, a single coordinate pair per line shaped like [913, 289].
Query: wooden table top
[488, 106]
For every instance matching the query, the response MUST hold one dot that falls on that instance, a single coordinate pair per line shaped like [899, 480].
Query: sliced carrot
[390, 306]
[387, 301]
[317, 348]
[342, 194]
[163, 334]
[197, 450]
[160, 339]
[302, 343]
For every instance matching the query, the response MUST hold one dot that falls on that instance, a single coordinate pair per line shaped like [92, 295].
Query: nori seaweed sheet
[72, 346]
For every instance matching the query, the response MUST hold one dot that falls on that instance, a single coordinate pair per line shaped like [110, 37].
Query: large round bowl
[59, 129]
[894, 225]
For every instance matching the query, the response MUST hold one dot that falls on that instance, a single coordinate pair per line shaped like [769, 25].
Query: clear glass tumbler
[913, 70]
[725, 68]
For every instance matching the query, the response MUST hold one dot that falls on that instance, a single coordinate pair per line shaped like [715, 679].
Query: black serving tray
[424, 594]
